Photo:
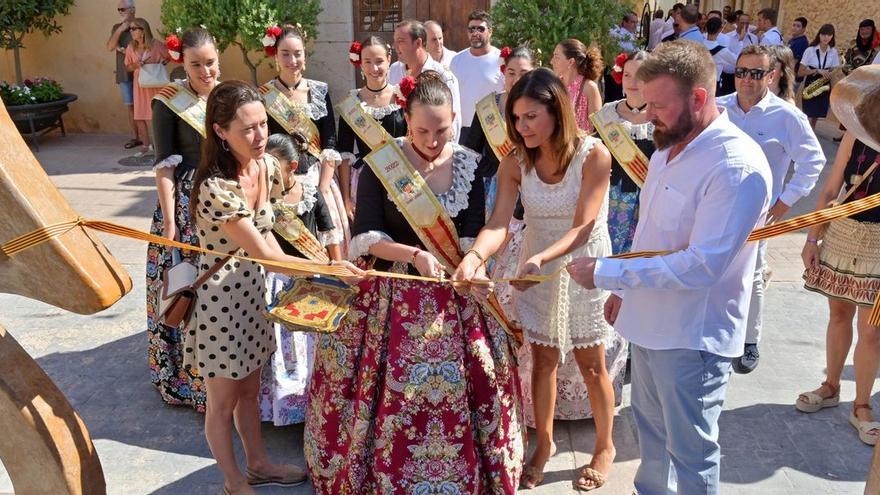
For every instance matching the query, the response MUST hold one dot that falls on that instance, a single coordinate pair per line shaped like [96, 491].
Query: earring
[223, 144]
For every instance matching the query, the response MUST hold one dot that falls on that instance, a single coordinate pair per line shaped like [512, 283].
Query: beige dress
[229, 337]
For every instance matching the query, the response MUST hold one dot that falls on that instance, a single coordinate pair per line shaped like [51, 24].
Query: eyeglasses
[476, 29]
[122, 10]
[756, 74]
[135, 28]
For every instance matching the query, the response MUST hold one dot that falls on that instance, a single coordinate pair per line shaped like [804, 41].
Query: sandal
[810, 402]
[533, 475]
[589, 474]
[865, 427]
[293, 476]
[132, 143]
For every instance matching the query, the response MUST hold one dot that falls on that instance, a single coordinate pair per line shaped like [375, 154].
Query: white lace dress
[560, 313]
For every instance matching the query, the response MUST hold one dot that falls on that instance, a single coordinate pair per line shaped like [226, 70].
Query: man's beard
[675, 134]
[478, 43]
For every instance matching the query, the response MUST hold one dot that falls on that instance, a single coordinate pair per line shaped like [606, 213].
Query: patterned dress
[623, 194]
[581, 103]
[417, 391]
[560, 313]
[177, 145]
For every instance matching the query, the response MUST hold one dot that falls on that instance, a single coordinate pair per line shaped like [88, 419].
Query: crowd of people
[451, 172]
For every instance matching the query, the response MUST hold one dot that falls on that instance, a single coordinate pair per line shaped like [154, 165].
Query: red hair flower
[617, 70]
[404, 89]
[354, 53]
[272, 34]
[172, 43]
[502, 58]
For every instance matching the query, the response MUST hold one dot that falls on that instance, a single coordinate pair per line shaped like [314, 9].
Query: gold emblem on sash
[493, 126]
[185, 104]
[362, 123]
[289, 226]
[291, 116]
[425, 215]
[624, 149]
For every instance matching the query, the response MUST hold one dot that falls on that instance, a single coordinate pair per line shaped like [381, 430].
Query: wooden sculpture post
[856, 104]
[44, 444]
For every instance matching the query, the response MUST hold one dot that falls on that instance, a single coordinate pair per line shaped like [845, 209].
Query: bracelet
[478, 255]
[416, 252]
[813, 241]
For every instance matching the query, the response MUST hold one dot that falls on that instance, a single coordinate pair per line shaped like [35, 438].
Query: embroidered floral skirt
[176, 384]
[285, 379]
[623, 213]
[849, 262]
[417, 392]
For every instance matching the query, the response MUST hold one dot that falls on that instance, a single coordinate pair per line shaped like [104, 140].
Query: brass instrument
[823, 84]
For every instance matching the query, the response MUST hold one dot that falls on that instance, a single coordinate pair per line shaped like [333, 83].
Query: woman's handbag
[178, 297]
[153, 76]
[313, 304]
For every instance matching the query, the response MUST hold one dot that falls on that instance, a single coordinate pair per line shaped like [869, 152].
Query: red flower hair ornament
[354, 53]
[270, 38]
[406, 87]
[172, 43]
[503, 56]
[617, 70]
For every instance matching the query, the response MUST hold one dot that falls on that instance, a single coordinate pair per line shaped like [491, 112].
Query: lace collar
[642, 132]
[377, 113]
[464, 166]
[317, 105]
[309, 197]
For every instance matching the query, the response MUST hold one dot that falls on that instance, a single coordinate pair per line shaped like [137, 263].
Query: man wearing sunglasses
[120, 37]
[785, 136]
[477, 68]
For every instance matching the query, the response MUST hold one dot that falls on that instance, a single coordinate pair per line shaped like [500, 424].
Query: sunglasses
[122, 10]
[476, 29]
[756, 74]
[135, 28]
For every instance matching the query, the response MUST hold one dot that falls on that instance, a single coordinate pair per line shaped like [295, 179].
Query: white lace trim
[309, 198]
[330, 237]
[641, 132]
[351, 157]
[464, 166]
[330, 154]
[360, 244]
[317, 105]
[170, 161]
[377, 113]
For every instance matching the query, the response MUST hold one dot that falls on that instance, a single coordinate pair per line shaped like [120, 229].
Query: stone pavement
[146, 447]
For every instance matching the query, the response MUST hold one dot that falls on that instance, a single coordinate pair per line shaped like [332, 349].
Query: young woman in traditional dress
[178, 130]
[843, 264]
[300, 216]
[562, 178]
[229, 340]
[579, 67]
[298, 104]
[373, 57]
[417, 390]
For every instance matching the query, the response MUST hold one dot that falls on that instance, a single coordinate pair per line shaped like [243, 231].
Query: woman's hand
[468, 269]
[169, 229]
[349, 210]
[531, 267]
[427, 265]
[810, 255]
[481, 289]
[357, 274]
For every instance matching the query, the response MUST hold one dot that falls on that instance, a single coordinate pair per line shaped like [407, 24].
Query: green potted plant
[34, 105]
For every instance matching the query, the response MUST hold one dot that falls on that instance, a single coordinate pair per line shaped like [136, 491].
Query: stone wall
[845, 15]
[78, 59]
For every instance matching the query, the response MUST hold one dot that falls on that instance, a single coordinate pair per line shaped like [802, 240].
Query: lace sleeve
[360, 244]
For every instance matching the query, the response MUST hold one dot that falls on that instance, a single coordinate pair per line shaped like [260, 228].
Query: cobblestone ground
[146, 447]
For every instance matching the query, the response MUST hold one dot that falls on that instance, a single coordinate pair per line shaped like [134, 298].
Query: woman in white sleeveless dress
[563, 182]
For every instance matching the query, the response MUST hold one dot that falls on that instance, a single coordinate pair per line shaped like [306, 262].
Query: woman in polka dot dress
[230, 340]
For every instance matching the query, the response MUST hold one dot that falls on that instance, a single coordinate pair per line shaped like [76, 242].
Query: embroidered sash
[425, 215]
[362, 123]
[493, 126]
[618, 141]
[291, 116]
[289, 226]
[185, 104]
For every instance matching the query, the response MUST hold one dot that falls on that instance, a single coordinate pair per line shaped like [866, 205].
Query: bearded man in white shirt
[685, 311]
[785, 136]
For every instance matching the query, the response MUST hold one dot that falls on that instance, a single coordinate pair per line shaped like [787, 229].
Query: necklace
[428, 159]
[376, 90]
[288, 88]
[292, 185]
[636, 110]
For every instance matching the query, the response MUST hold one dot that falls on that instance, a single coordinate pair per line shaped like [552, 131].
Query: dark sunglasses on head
[135, 28]
[476, 29]
[756, 74]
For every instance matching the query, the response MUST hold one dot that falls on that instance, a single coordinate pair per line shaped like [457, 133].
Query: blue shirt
[798, 46]
[692, 34]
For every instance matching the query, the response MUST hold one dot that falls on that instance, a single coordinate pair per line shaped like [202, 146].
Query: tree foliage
[241, 23]
[544, 23]
[18, 18]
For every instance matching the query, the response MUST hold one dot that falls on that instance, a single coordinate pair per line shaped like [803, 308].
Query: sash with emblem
[289, 226]
[363, 124]
[425, 215]
[291, 116]
[186, 104]
[628, 155]
[493, 126]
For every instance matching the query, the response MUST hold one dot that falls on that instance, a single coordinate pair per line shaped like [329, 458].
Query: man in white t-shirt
[436, 48]
[477, 69]
[767, 23]
[410, 43]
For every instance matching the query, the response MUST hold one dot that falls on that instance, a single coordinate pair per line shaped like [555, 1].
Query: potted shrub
[36, 105]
